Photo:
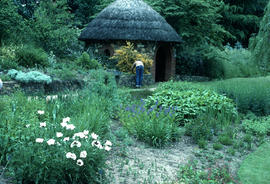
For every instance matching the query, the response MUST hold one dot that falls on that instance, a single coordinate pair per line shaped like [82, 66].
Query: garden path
[132, 161]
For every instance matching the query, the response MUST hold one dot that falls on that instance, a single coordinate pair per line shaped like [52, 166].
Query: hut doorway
[163, 61]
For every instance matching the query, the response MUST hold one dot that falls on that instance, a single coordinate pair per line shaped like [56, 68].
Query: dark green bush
[188, 104]
[86, 62]
[6, 64]
[217, 146]
[30, 57]
[225, 140]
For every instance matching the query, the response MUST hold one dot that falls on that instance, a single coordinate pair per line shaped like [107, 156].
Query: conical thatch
[129, 20]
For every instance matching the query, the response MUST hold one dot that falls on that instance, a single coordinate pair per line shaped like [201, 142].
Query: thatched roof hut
[136, 21]
[129, 20]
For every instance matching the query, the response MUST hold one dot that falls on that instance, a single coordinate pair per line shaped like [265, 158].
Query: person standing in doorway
[139, 72]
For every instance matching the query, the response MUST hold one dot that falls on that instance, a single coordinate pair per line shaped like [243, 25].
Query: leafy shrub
[8, 57]
[238, 63]
[85, 61]
[6, 64]
[190, 103]
[32, 76]
[217, 146]
[225, 140]
[156, 128]
[126, 56]
[29, 56]
[251, 94]
[260, 126]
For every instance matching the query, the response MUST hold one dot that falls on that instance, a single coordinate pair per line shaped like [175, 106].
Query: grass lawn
[256, 167]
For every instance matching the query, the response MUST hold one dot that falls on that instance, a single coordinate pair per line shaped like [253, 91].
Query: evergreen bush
[86, 62]
[30, 57]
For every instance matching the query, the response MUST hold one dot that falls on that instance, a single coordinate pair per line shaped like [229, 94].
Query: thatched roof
[129, 20]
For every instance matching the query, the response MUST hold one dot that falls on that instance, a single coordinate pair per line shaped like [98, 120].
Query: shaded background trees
[206, 26]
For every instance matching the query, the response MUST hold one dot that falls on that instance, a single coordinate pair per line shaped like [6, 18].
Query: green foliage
[52, 30]
[30, 57]
[260, 44]
[188, 104]
[190, 173]
[208, 124]
[242, 18]
[8, 57]
[33, 76]
[238, 63]
[156, 128]
[251, 94]
[30, 161]
[86, 62]
[217, 146]
[257, 127]
[11, 22]
[28, 77]
[225, 140]
[202, 143]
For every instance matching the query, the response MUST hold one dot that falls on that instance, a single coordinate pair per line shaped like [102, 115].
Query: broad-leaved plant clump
[188, 104]
[126, 56]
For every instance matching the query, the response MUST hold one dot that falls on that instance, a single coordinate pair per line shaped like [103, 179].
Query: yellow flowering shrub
[126, 56]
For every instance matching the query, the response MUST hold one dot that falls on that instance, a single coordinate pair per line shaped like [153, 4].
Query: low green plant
[30, 57]
[190, 173]
[208, 124]
[202, 143]
[6, 64]
[86, 62]
[33, 76]
[188, 104]
[258, 127]
[155, 127]
[217, 146]
[225, 140]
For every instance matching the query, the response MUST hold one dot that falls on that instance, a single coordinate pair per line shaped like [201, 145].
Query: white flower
[59, 134]
[97, 144]
[71, 155]
[63, 124]
[23, 5]
[48, 98]
[79, 134]
[54, 97]
[66, 139]
[94, 136]
[108, 143]
[75, 143]
[51, 142]
[42, 124]
[40, 112]
[70, 127]
[79, 162]
[27, 126]
[67, 119]
[39, 140]
[107, 148]
[85, 132]
[83, 154]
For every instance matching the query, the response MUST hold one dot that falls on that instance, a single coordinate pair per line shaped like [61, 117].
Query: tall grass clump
[154, 126]
[54, 140]
[249, 94]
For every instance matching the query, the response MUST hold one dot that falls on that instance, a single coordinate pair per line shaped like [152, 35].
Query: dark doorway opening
[163, 58]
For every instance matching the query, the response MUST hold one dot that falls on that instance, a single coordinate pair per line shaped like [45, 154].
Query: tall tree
[241, 18]
[260, 45]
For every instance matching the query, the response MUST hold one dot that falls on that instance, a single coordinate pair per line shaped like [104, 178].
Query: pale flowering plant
[61, 154]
